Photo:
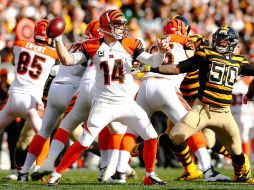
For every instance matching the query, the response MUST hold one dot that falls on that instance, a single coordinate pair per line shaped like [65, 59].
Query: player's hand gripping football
[55, 28]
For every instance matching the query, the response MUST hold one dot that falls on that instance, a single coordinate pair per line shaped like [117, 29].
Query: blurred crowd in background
[145, 20]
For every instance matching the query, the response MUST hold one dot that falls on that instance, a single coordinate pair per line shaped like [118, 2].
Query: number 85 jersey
[114, 82]
[33, 64]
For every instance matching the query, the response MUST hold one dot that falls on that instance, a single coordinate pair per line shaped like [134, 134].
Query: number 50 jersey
[33, 64]
[217, 74]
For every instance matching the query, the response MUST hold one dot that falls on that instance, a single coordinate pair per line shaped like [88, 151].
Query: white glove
[58, 38]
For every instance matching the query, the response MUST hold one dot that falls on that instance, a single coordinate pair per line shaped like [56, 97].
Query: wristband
[155, 70]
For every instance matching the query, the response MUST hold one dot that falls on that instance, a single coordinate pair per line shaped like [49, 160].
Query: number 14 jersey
[33, 64]
[114, 82]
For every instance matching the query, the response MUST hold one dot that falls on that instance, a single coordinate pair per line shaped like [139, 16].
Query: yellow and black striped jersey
[190, 84]
[217, 74]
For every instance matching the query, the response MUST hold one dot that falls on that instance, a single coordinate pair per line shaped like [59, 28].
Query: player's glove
[144, 68]
[58, 38]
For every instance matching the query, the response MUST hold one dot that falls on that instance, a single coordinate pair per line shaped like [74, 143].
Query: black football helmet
[186, 22]
[225, 39]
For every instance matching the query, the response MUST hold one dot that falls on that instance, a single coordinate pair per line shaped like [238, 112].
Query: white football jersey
[113, 79]
[175, 54]
[69, 74]
[114, 82]
[33, 64]
[89, 74]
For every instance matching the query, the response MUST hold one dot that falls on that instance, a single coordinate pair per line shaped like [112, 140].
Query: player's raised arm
[54, 30]
[174, 69]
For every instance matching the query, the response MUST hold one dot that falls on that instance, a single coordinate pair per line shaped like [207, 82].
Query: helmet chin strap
[112, 33]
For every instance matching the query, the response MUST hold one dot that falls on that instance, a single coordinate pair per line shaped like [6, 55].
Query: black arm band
[137, 53]
[155, 70]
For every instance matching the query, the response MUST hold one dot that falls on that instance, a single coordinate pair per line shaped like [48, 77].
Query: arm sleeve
[190, 64]
[153, 60]
[246, 70]
[78, 58]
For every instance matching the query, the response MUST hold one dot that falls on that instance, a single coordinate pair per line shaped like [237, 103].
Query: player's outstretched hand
[163, 44]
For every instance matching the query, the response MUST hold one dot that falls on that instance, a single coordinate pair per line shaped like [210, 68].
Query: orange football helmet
[174, 26]
[186, 22]
[92, 30]
[40, 30]
[111, 20]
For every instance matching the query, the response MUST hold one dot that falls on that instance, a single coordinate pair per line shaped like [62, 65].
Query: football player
[113, 101]
[219, 67]
[77, 111]
[189, 88]
[33, 63]
[174, 106]
[61, 92]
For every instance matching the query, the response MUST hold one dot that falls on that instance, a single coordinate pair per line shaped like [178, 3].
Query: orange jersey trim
[91, 46]
[131, 44]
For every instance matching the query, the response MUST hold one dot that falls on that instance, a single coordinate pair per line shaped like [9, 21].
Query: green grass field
[87, 179]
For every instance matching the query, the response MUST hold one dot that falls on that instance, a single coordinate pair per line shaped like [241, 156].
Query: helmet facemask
[116, 26]
[222, 44]
[225, 41]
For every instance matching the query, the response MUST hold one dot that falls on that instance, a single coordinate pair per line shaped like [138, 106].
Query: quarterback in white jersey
[33, 63]
[152, 97]
[113, 100]
[63, 88]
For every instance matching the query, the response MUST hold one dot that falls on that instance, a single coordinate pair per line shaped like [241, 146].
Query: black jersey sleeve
[246, 70]
[190, 64]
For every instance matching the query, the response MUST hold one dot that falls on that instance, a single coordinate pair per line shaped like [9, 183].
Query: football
[55, 27]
